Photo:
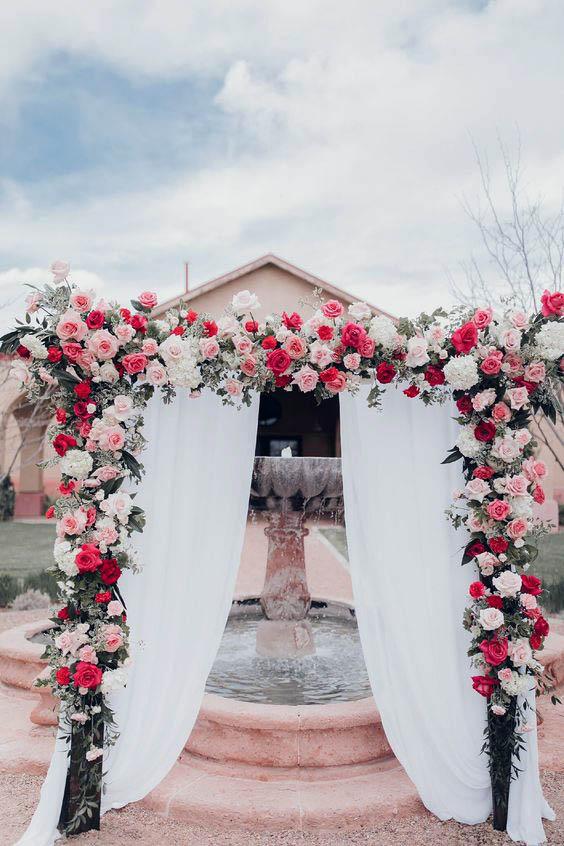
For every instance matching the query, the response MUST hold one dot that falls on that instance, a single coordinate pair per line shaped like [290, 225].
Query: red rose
[498, 545]
[352, 334]
[134, 363]
[67, 489]
[278, 361]
[485, 431]
[81, 410]
[103, 598]
[269, 343]
[95, 319]
[23, 352]
[333, 379]
[541, 627]
[210, 328]
[531, 584]
[61, 415]
[483, 472]
[434, 375]
[50, 513]
[412, 391]
[83, 390]
[87, 675]
[282, 381]
[178, 330]
[88, 559]
[325, 333]
[292, 321]
[475, 548]
[476, 590]
[139, 322]
[495, 601]
[535, 641]
[465, 338]
[251, 326]
[63, 613]
[54, 354]
[61, 443]
[385, 372]
[63, 676]
[494, 650]
[484, 685]
[110, 571]
[464, 404]
[539, 495]
[191, 316]
[125, 315]
[552, 303]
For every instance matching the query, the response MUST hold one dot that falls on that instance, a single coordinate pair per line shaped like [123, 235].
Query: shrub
[31, 599]
[9, 589]
[7, 498]
[42, 581]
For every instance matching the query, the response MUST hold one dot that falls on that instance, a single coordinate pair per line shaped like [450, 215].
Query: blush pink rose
[106, 473]
[88, 653]
[112, 637]
[517, 528]
[124, 332]
[71, 327]
[505, 675]
[103, 345]
[352, 361]
[534, 470]
[156, 373]
[209, 347]
[518, 398]
[243, 344]
[306, 379]
[513, 364]
[148, 299]
[535, 371]
[81, 301]
[149, 347]
[516, 485]
[366, 347]
[234, 388]
[332, 309]
[72, 523]
[249, 365]
[85, 359]
[106, 534]
[295, 346]
[115, 608]
[501, 412]
[112, 438]
[482, 317]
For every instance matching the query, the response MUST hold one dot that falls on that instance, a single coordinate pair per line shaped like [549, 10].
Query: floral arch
[99, 364]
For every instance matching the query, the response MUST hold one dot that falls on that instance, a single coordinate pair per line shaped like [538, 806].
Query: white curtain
[410, 591]
[199, 463]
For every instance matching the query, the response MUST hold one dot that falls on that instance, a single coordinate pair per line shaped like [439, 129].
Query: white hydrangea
[162, 327]
[360, 311]
[468, 445]
[185, 373]
[35, 346]
[516, 685]
[521, 506]
[65, 555]
[550, 340]
[113, 680]
[461, 372]
[77, 463]
[383, 331]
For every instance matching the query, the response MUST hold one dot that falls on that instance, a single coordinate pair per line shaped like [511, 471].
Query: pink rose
[483, 399]
[482, 317]
[209, 347]
[234, 388]
[366, 347]
[249, 366]
[156, 373]
[106, 473]
[535, 372]
[332, 309]
[115, 608]
[85, 359]
[295, 346]
[519, 320]
[517, 528]
[336, 381]
[513, 364]
[124, 332]
[112, 438]
[81, 301]
[134, 363]
[88, 653]
[103, 345]
[61, 269]
[149, 347]
[112, 637]
[520, 652]
[71, 327]
[352, 361]
[516, 485]
[243, 344]
[518, 397]
[491, 365]
[534, 470]
[320, 354]
[477, 489]
[306, 379]
[505, 675]
[106, 534]
[511, 340]
[148, 299]
[498, 509]
[72, 523]
[523, 436]
[528, 601]
[501, 412]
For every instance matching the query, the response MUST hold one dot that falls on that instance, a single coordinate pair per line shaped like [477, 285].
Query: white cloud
[348, 136]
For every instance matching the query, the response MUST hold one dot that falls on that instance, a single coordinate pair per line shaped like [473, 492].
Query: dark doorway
[295, 420]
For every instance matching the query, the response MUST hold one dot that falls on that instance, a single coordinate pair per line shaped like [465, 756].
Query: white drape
[410, 591]
[199, 463]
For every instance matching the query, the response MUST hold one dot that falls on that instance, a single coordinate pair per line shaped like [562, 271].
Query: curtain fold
[410, 592]
[198, 463]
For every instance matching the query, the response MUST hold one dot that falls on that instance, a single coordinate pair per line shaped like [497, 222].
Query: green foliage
[7, 499]
[9, 589]
[42, 581]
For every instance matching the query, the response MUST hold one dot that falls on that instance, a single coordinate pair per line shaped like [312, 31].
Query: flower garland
[100, 363]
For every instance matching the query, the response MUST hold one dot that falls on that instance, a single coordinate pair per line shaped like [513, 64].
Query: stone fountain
[290, 489]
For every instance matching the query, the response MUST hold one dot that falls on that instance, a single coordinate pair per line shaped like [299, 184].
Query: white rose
[60, 270]
[491, 618]
[360, 311]
[77, 463]
[508, 583]
[417, 352]
[244, 302]
[123, 408]
[461, 372]
[108, 373]
[113, 680]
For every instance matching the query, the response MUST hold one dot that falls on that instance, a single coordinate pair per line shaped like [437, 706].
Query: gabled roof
[263, 261]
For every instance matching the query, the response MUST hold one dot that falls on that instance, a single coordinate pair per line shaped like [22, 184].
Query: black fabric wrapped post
[501, 732]
[83, 790]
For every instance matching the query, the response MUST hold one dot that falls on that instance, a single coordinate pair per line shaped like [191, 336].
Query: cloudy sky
[136, 134]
